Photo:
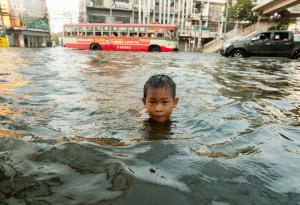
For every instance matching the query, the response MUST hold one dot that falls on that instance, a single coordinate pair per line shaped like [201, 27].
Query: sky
[61, 12]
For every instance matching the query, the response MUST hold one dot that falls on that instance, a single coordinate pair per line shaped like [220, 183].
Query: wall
[35, 8]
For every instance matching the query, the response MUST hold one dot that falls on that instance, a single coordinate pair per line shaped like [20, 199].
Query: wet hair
[160, 81]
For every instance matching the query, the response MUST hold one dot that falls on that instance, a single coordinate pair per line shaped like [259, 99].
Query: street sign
[41, 24]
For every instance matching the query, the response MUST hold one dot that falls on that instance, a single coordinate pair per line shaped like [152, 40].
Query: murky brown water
[73, 129]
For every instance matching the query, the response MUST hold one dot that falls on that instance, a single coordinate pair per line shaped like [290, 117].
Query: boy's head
[160, 97]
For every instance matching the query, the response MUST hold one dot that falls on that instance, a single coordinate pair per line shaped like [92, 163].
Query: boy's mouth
[159, 118]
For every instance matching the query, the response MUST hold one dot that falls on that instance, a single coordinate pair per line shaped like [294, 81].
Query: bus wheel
[154, 48]
[95, 47]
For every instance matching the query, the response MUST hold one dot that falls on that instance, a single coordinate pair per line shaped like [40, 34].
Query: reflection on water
[157, 131]
[73, 129]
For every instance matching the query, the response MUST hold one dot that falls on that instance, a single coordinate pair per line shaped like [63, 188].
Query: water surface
[74, 131]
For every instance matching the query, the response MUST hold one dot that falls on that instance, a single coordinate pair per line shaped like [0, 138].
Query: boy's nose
[158, 108]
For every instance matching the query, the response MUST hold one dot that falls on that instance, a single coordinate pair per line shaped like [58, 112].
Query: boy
[160, 97]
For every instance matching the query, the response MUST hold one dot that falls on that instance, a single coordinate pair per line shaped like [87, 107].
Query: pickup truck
[269, 43]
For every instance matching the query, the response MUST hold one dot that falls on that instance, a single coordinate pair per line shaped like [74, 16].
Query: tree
[281, 20]
[242, 11]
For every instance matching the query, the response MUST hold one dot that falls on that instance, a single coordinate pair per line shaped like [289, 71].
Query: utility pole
[140, 11]
[198, 7]
[168, 9]
[174, 10]
[144, 11]
[110, 10]
[226, 16]
[159, 10]
[178, 13]
[182, 15]
[199, 47]
[153, 6]
[148, 11]
[164, 12]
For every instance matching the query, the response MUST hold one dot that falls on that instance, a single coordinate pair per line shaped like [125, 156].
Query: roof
[277, 31]
[123, 25]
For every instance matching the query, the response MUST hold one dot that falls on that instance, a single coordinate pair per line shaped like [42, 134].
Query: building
[210, 17]
[196, 19]
[3, 8]
[25, 22]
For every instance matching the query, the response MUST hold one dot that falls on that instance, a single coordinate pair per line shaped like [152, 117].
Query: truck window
[281, 36]
[297, 37]
[264, 36]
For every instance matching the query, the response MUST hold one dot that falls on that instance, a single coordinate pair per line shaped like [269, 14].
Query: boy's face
[159, 104]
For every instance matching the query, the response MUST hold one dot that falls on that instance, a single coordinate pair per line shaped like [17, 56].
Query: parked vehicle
[268, 43]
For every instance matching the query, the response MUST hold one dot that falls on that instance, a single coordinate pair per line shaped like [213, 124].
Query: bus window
[142, 32]
[136, 30]
[84, 31]
[115, 31]
[160, 35]
[131, 29]
[151, 35]
[89, 31]
[74, 31]
[98, 31]
[168, 34]
[173, 34]
[133, 34]
[106, 31]
[67, 31]
[124, 31]
[81, 31]
[151, 30]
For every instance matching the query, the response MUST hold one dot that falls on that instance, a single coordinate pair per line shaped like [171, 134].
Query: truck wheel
[297, 56]
[238, 54]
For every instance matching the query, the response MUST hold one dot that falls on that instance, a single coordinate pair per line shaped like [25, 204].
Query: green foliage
[242, 11]
[283, 22]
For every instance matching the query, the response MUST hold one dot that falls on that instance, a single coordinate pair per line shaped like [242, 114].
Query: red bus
[121, 37]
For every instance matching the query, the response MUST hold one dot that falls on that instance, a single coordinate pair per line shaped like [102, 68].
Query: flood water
[74, 130]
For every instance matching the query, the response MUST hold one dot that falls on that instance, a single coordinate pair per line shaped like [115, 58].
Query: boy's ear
[176, 101]
[144, 101]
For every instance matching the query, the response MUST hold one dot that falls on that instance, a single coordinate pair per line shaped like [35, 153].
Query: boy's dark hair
[160, 81]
